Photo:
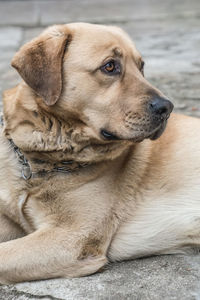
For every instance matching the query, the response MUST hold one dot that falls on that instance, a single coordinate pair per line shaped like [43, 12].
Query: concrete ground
[168, 35]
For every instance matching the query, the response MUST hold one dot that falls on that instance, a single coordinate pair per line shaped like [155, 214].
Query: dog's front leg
[9, 230]
[48, 253]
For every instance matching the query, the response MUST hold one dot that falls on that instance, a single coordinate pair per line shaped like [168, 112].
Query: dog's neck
[45, 138]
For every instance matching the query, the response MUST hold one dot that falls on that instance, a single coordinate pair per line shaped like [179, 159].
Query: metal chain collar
[26, 171]
[26, 168]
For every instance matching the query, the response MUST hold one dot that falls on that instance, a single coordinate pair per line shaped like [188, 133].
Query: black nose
[161, 107]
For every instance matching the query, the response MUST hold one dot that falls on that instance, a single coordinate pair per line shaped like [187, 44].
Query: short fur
[137, 197]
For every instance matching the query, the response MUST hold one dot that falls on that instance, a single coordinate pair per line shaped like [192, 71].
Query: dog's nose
[161, 107]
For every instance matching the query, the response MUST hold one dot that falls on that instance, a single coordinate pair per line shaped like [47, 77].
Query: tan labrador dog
[85, 177]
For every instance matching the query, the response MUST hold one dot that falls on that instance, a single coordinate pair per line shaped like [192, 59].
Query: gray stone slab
[43, 12]
[21, 13]
[10, 37]
[106, 11]
[10, 40]
[155, 278]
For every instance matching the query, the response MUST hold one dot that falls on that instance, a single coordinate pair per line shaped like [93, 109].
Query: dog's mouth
[158, 132]
[109, 136]
[153, 135]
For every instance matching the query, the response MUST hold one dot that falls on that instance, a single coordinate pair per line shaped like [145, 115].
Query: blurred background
[167, 33]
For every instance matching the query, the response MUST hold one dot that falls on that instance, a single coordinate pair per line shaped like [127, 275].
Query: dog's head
[94, 74]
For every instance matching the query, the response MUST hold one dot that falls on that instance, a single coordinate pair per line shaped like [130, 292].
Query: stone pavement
[167, 33]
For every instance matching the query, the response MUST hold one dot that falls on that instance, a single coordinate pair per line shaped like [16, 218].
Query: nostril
[161, 106]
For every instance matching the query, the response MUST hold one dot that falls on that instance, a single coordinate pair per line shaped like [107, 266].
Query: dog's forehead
[92, 39]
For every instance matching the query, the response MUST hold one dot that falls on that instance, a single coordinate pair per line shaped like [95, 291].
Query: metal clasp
[26, 172]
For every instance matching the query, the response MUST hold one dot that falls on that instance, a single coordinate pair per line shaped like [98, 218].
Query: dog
[90, 172]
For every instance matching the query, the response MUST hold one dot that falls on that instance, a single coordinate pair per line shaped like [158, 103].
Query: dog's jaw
[159, 131]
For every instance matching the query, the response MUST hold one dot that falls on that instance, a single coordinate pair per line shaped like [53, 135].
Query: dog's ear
[39, 62]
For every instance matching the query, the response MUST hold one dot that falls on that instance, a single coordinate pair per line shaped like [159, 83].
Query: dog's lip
[158, 132]
[108, 135]
[153, 135]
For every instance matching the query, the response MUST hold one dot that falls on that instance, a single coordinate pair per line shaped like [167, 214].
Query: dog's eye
[111, 68]
[142, 67]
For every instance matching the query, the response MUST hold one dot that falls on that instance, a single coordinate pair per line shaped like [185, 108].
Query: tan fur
[136, 196]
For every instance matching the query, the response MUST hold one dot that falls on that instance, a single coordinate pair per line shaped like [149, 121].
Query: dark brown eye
[111, 68]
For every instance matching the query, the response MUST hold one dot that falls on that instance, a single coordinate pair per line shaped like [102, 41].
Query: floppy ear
[39, 63]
